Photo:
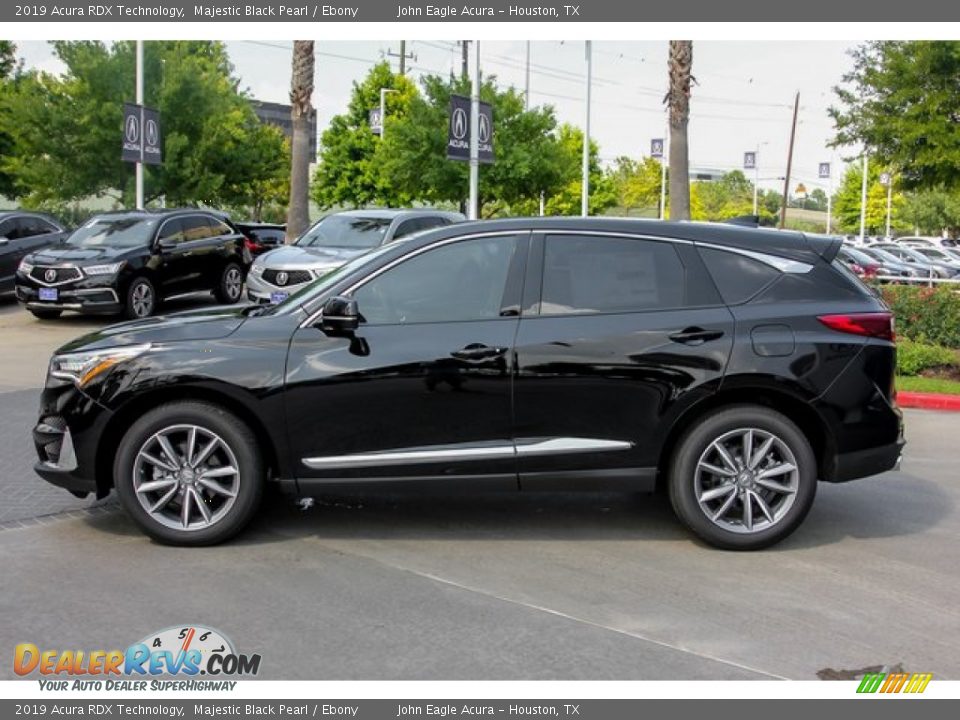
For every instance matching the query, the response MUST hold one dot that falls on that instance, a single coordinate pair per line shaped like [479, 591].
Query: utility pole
[585, 179]
[665, 153]
[475, 135]
[403, 55]
[756, 180]
[526, 86]
[786, 180]
[139, 168]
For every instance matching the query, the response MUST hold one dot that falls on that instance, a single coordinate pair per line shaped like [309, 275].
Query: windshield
[346, 231]
[859, 257]
[114, 232]
[323, 284]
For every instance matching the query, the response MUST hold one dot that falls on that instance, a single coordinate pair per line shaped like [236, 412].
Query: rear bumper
[862, 463]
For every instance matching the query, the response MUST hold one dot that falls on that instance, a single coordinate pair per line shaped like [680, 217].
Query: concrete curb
[928, 401]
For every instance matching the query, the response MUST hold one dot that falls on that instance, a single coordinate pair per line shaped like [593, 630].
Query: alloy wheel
[186, 477]
[746, 480]
[233, 283]
[142, 300]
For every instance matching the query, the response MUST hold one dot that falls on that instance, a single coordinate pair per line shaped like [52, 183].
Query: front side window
[588, 274]
[458, 282]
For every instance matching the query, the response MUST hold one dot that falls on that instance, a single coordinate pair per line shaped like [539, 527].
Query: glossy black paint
[22, 233]
[187, 267]
[639, 378]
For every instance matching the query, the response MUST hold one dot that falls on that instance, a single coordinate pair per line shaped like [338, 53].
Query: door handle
[478, 351]
[696, 336]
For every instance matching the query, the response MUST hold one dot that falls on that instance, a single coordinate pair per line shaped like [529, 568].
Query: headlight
[256, 270]
[25, 267]
[111, 269]
[82, 367]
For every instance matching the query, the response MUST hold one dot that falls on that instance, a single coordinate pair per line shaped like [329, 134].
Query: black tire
[238, 438]
[45, 314]
[230, 287]
[697, 441]
[141, 301]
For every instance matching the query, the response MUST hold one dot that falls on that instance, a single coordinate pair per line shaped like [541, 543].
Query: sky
[743, 97]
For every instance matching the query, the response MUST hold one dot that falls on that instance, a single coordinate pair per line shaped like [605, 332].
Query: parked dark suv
[23, 232]
[127, 262]
[733, 366]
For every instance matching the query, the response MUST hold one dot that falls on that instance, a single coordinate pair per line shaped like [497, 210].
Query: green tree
[636, 184]
[679, 70]
[65, 130]
[901, 101]
[8, 59]
[8, 68]
[566, 200]
[529, 160]
[301, 106]
[729, 196]
[348, 172]
[846, 202]
[932, 211]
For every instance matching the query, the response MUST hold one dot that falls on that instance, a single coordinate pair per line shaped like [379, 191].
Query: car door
[11, 252]
[422, 389]
[175, 263]
[618, 334]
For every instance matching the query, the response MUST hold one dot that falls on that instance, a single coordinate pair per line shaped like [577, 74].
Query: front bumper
[260, 291]
[67, 437]
[89, 295]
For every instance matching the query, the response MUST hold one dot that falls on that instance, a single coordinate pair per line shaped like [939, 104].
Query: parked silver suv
[331, 242]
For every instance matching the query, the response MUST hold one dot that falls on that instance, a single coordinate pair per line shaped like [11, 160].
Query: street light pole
[383, 110]
[526, 86]
[663, 173]
[756, 179]
[585, 179]
[863, 198]
[139, 167]
[889, 202]
[475, 134]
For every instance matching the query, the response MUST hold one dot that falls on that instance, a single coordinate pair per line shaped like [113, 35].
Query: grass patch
[928, 385]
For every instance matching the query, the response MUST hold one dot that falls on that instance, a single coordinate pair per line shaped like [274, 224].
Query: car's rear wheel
[743, 478]
[41, 314]
[189, 473]
[230, 288]
[141, 299]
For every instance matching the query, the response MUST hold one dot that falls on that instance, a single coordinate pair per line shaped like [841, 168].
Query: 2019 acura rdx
[734, 366]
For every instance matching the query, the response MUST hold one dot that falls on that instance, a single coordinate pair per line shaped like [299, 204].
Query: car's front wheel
[743, 478]
[141, 299]
[189, 473]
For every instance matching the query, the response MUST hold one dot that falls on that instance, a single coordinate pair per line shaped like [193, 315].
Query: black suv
[733, 366]
[23, 232]
[127, 262]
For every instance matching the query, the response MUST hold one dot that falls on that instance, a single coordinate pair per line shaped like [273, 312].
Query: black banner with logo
[458, 130]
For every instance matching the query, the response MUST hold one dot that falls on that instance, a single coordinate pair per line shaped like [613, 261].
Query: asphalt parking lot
[574, 586]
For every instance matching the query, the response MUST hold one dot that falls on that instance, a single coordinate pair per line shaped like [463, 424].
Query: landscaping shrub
[930, 315]
[914, 357]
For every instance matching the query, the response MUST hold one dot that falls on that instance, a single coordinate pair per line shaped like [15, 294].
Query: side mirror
[166, 244]
[339, 315]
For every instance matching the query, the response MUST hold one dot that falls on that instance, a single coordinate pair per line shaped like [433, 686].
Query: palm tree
[301, 91]
[679, 67]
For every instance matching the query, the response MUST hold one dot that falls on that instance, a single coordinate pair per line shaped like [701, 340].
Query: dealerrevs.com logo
[186, 651]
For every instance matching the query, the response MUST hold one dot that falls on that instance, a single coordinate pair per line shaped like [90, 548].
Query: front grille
[293, 277]
[54, 275]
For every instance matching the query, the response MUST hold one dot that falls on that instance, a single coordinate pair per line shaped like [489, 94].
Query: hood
[294, 257]
[69, 254]
[203, 324]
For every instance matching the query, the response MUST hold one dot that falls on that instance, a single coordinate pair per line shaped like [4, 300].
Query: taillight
[876, 325]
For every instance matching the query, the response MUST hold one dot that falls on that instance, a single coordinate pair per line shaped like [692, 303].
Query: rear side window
[588, 274]
[196, 227]
[218, 227]
[737, 277]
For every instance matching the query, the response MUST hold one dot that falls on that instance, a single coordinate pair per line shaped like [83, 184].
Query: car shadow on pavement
[893, 505]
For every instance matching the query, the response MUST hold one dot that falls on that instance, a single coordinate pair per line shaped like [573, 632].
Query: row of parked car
[902, 259]
[129, 262]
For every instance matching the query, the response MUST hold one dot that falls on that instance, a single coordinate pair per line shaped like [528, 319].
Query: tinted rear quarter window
[588, 274]
[737, 277]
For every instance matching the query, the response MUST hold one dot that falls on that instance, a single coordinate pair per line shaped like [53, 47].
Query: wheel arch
[143, 402]
[790, 404]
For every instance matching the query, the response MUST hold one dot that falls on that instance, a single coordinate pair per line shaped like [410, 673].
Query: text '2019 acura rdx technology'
[735, 367]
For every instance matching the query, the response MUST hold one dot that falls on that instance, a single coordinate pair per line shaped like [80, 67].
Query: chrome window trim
[795, 267]
[533, 447]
